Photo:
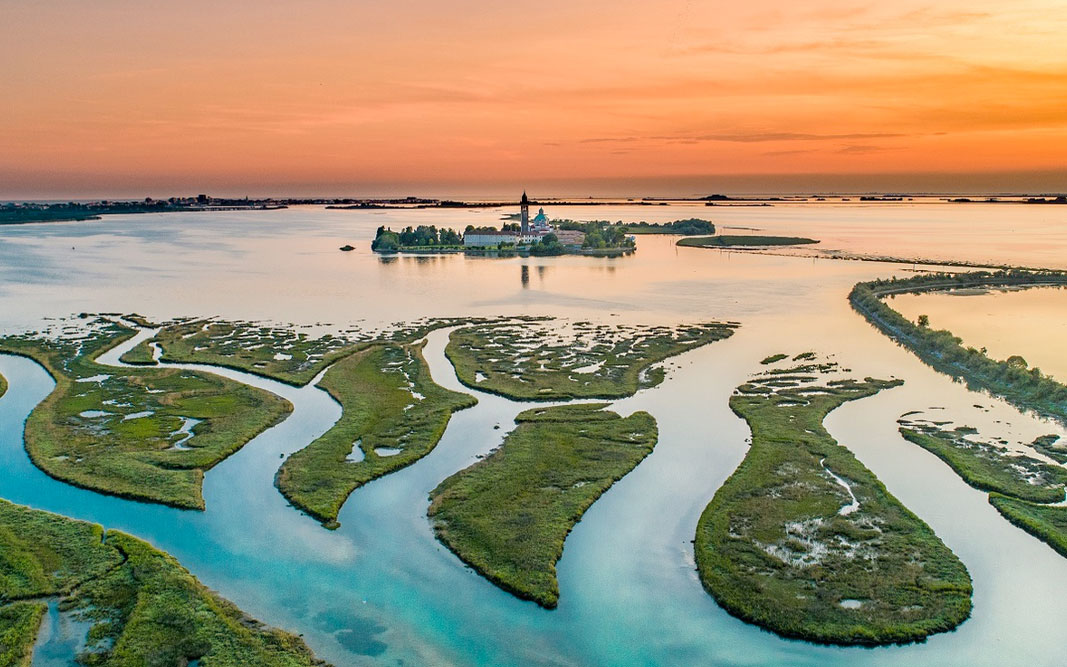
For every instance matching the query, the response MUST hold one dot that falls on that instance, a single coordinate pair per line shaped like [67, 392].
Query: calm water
[1030, 322]
[381, 589]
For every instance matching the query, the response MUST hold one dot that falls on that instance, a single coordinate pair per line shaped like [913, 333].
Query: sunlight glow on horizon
[121, 95]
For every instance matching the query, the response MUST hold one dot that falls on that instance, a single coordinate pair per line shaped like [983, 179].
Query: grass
[282, 354]
[389, 401]
[988, 467]
[1026, 388]
[553, 360]
[145, 608]
[1046, 523]
[508, 515]
[119, 430]
[737, 241]
[785, 545]
[279, 353]
[19, 624]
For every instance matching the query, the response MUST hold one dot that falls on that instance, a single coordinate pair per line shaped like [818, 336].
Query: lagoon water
[1031, 322]
[381, 590]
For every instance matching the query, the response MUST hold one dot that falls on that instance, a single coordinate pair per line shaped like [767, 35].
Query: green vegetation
[3, 386]
[551, 360]
[394, 414]
[144, 433]
[773, 359]
[1019, 485]
[422, 237]
[508, 515]
[805, 541]
[19, 624]
[986, 466]
[743, 241]
[279, 353]
[687, 227]
[1026, 388]
[1046, 523]
[145, 608]
[547, 246]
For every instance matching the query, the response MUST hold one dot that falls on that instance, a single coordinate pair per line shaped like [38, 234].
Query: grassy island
[275, 352]
[393, 415]
[987, 466]
[1026, 388]
[553, 360]
[147, 434]
[508, 515]
[282, 354]
[805, 541]
[3, 386]
[145, 608]
[737, 241]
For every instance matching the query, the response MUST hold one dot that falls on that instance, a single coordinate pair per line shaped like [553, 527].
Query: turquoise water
[381, 589]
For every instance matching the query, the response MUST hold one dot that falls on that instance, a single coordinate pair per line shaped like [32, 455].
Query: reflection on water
[1029, 322]
[381, 588]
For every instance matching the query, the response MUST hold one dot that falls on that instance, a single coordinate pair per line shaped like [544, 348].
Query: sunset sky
[110, 98]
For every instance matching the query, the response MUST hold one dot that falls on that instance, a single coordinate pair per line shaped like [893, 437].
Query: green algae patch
[554, 360]
[727, 241]
[393, 414]
[987, 466]
[142, 433]
[805, 541]
[508, 515]
[145, 608]
[1046, 523]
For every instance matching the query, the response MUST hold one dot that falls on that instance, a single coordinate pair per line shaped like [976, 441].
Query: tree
[924, 321]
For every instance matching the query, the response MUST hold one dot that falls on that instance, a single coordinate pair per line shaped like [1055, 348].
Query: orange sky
[114, 98]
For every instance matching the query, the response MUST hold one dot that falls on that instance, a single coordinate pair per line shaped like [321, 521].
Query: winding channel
[382, 589]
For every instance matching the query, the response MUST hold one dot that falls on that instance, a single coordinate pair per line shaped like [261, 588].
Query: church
[530, 231]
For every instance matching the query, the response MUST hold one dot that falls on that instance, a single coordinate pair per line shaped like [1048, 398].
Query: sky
[355, 97]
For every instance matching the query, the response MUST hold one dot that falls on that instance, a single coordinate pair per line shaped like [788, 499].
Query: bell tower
[524, 207]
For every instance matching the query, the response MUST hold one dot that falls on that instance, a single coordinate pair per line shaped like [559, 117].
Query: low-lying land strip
[805, 541]
[1026, 388]
[738, 241]
[279, 353]
[142, 433]
[393, 415]
[3, 385]
[1020, 486]
[687, 227]
[987, 466]
[1047, 523]
[553, 360]
[508, 515]
[145, 608]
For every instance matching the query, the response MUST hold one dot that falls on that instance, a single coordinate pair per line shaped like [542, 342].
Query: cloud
[743, 137]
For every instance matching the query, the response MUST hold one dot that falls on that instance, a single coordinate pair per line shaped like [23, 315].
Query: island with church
[537, 236]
